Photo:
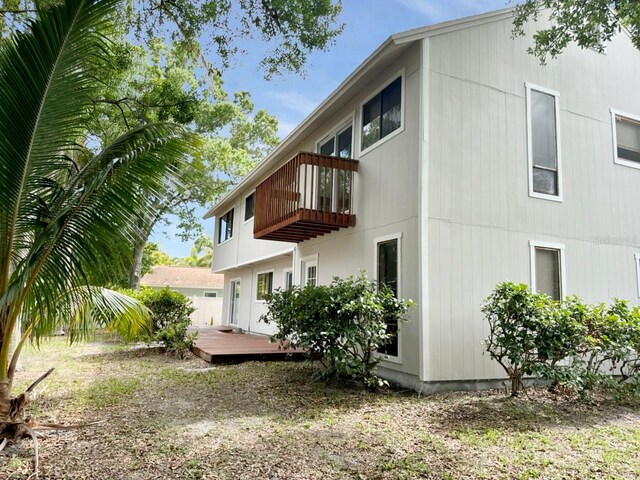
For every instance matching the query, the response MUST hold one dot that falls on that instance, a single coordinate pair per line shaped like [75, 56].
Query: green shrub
[568, 343]
[515, 320]
[342, 324]
[170, 316]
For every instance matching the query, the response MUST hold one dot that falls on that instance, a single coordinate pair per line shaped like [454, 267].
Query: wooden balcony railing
[308, 196]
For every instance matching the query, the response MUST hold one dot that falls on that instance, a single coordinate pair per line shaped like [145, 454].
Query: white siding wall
[242, 248]
[481, 217]
[385, 202]
[251, 309]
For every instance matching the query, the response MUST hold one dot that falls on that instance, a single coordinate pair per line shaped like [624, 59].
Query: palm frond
[95, 220]
[46, 82]
[100, 307]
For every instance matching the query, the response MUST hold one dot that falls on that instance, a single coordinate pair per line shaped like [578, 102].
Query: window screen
[265, 285]
[249, 205]
[544, 148]
[382, 114]
[548, 274]
[628, 139]
[387, 260]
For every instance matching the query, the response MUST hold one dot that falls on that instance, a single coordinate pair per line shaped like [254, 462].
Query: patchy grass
[166, 419]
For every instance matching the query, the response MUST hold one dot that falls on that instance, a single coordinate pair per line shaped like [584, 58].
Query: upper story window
[382, 114]
[543, 132]
[334, 186]
[249, 205]
[626, 135]
[225, 226]
[339, 144]
[547, 269]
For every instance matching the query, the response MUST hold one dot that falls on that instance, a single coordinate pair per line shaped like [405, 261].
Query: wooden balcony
[310, 195]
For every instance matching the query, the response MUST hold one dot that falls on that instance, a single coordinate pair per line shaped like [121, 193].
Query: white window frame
[394, 236]
[231, 300]
[244, 207]
[204, 294]
[303, 273]
[349, 120]
[273, 278]
[637, 259]
[233, 230]
[616, 160]
[402, 74]
[528, 88]
[284, 277]
[533, 244]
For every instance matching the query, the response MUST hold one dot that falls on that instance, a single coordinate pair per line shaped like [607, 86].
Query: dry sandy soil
[171, 419]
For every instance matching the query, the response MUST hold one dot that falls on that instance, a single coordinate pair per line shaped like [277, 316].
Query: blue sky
[291, 98]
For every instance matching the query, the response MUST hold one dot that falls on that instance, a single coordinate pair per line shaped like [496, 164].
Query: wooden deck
[224, 345]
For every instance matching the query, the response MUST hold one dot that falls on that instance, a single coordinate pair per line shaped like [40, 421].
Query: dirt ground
[163, 418]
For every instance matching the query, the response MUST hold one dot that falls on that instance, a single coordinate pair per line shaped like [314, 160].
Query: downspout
[423, 214]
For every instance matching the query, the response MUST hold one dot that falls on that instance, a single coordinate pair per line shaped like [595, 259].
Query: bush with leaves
[341, 324]
[568, 343]
[170, 316]
[513, 313]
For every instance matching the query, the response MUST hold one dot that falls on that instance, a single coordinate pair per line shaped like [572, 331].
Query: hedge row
[570, 343]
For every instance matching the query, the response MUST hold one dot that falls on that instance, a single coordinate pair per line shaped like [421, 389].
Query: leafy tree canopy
[168, 64]
[212, 28]
[588, 23]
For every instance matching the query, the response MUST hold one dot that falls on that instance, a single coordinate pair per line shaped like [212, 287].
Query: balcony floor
[306, 224]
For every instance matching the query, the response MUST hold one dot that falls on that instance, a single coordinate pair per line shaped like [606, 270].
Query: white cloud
[295, 102]
[433, 10]
[439, 10]
[285, 128]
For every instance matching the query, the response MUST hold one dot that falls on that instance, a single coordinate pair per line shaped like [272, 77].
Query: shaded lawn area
[171, 419]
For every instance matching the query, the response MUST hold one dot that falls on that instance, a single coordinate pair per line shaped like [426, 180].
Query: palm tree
[66, 211]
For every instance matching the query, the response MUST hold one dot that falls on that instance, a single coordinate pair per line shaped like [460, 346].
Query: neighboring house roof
[388, 49]
[186, 277]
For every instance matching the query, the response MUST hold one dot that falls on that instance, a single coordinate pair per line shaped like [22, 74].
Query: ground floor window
[265, 285]
[547, 269]
[288, 279]
[310, 271]
[387, 269]
[210, 294]
[638, 271]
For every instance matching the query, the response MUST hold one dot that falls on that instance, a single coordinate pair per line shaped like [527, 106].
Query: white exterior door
[234, 296]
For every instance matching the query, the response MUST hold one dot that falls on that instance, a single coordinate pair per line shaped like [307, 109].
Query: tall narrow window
[637, 256]
[387, 269]
[288, 279]
[543, 143]
[382, 114]
[334, 185]
[225, 226]
[627, 139]
[547, 265]
[249, 205]
[265, 285]
[310, 271]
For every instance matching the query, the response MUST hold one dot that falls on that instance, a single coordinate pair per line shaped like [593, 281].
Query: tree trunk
[135, 274]
[15, 339]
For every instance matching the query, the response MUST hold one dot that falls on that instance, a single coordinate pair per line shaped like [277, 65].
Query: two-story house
[448, 161]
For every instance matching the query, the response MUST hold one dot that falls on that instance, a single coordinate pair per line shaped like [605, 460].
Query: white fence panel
[208, 311]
